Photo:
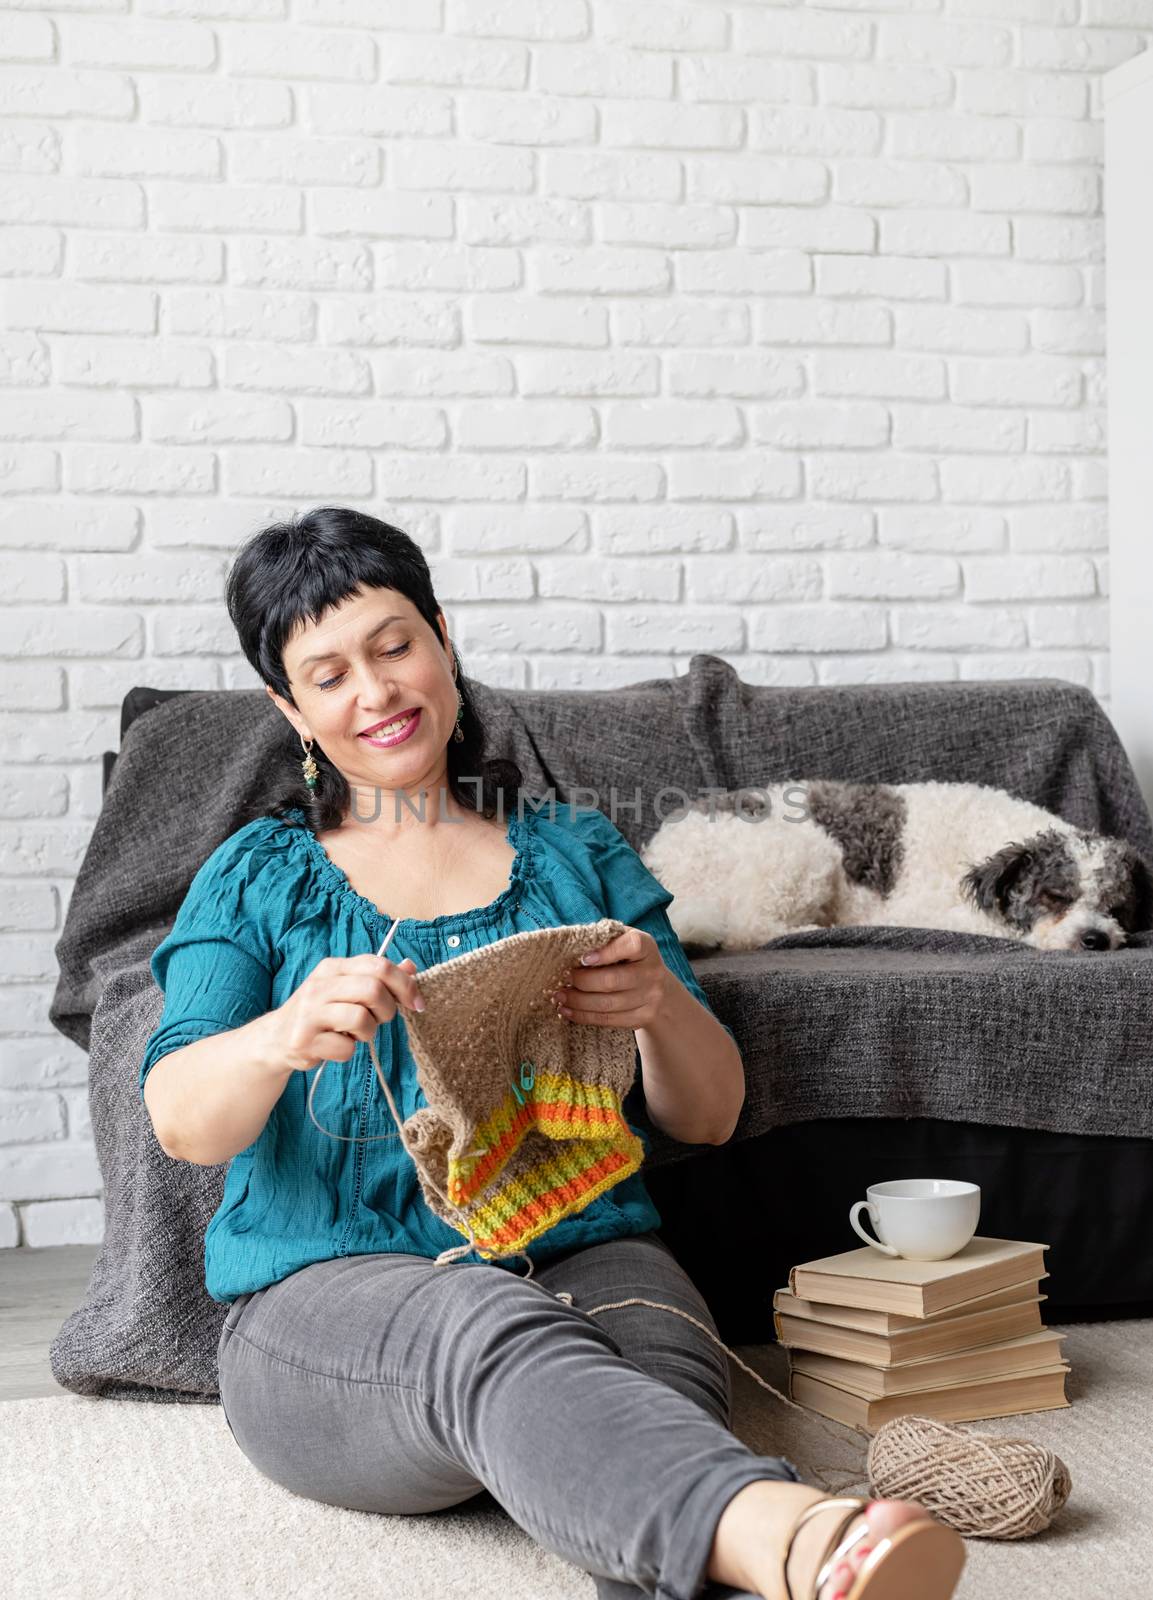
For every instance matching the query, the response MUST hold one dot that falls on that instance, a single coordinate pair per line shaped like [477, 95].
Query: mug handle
[867, 1205]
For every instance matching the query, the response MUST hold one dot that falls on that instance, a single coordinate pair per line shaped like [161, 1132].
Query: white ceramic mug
[922, 1219]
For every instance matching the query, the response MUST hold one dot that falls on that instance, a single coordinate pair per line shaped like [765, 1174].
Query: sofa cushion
[914, 1022]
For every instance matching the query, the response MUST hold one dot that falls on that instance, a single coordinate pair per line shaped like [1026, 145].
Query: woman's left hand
[626, 987]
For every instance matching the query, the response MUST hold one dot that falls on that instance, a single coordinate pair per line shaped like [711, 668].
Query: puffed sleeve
[636, 897]
[216, 964]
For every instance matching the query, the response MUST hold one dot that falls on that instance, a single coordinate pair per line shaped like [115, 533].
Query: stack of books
[871, 1337]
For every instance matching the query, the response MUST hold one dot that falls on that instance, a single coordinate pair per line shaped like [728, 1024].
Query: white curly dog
[751, 865]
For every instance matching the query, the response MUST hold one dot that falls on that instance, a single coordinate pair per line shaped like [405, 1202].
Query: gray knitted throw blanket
[848, 1022]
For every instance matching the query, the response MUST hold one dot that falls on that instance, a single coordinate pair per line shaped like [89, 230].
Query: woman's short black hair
[295, 571]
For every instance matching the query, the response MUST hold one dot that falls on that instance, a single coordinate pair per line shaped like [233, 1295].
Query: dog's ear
[1142, 895]
[988, 884]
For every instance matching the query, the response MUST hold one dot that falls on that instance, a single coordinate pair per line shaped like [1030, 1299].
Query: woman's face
[360, 681]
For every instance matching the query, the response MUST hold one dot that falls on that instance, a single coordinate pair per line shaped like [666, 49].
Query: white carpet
[125, 1500]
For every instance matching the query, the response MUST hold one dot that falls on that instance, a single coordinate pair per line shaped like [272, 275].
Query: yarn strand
[447, 1257]
[455, 1253]
[984, 1487]
[981, 1485]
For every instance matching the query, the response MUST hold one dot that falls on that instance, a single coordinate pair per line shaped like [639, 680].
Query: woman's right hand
[344, 999]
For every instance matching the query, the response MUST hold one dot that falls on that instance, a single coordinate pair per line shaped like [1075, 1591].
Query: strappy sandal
[920, 1560]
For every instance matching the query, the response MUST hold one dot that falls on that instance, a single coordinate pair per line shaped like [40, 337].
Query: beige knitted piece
[524, 1123]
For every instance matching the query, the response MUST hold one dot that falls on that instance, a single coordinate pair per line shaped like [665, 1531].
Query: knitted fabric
[524, 1123]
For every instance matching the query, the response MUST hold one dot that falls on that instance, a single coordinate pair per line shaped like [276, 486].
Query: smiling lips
[394, 723]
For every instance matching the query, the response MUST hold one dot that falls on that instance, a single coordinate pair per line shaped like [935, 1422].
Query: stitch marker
[525, 1083]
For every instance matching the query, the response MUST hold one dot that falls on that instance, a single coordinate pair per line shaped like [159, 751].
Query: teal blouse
[263, 910]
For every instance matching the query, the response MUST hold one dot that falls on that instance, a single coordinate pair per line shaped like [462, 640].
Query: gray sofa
[869, 1053]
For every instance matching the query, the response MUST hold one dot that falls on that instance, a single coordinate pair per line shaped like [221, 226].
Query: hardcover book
[1032, 1352]
[870, 1321]
[968, 1402]
[865, 1278]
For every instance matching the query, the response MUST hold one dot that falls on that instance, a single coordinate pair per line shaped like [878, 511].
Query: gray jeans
[386, 1383]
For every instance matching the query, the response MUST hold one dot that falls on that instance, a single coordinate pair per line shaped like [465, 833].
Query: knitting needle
[380, 952]
[385, 945]
[388, 936]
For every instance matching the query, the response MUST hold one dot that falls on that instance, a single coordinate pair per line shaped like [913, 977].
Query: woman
[353, 1368]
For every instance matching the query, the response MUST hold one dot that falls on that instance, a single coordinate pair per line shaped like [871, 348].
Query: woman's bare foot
[755, 1528]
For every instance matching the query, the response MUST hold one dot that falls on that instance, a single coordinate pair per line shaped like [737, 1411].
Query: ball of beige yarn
[981, 1485]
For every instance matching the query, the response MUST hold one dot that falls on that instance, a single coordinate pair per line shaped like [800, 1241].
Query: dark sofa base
[740, 1215]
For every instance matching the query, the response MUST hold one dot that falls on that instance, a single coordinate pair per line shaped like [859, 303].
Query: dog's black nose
[1094, 939]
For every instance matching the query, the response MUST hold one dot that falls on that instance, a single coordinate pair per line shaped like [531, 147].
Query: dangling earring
[458, 731]
[308, 766]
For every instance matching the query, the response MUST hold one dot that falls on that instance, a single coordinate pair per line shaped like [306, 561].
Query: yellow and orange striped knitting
[523, 1124]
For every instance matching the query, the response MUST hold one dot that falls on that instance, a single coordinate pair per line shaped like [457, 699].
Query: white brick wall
[774, 331]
